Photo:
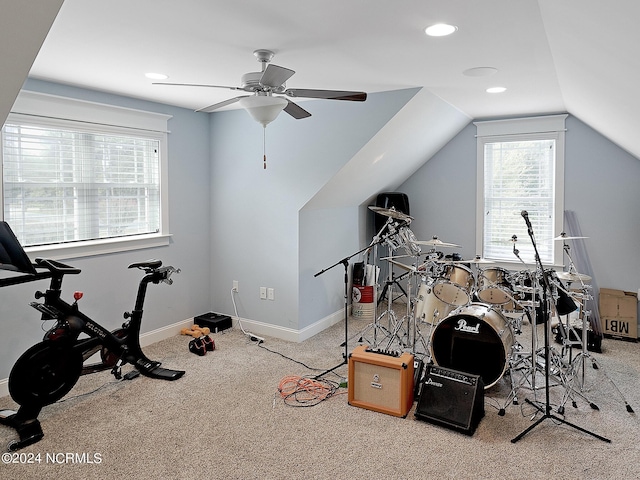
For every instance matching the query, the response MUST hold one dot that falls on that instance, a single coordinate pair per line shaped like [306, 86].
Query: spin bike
[47, 371]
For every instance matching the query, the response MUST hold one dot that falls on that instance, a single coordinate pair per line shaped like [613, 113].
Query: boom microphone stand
[545, 317]
[345, 262]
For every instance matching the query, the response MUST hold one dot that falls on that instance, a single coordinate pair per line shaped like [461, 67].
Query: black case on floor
[215, 321]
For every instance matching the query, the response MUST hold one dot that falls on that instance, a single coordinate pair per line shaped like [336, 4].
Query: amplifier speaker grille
[451, 398]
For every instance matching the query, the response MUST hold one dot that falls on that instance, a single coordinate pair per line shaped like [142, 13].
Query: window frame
[515, 129]
[56, 111]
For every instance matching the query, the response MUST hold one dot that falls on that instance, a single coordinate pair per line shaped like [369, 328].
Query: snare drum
[454, 285]
[494, 286]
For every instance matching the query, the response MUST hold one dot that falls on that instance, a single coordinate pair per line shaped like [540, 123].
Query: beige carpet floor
[225, 419]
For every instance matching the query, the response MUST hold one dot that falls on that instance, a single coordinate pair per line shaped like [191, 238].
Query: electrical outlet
[271, 294]
[235, 286]
[263, 293]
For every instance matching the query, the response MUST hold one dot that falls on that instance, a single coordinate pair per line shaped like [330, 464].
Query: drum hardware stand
[377, 239]
[578, 366]
[545, 317]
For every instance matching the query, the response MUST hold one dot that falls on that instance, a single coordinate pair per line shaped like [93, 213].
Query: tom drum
[454, 285]
[429, 308]
[494, 286]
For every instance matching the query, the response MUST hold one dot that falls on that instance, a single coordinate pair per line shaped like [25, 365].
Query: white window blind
[520, 167]
[64, 186]
[82, 178]
[519, 176]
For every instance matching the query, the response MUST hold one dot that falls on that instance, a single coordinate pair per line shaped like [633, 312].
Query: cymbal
[573, 277]
[477, 259]
[390, 212]
[435, 242]
[408, 268]
[564, 236]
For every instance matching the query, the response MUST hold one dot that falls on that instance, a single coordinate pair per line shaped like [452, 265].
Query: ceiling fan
[262, 105]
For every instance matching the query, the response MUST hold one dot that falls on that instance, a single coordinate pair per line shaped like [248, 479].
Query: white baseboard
[285, 333]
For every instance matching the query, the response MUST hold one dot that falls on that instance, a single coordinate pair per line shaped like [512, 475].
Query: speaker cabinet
[451, 398]
[397, 200]
[381, 381]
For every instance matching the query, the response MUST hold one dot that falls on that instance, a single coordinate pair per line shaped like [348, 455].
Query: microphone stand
[545, 317]
[345, 262]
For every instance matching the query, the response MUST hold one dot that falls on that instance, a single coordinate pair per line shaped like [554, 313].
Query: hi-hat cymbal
[477, 259]
[435, 242]
[390, 212]
[573, 277]
[408, 268]
[564, 236]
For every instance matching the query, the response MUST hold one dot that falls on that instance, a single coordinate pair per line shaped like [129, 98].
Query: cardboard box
[619, 313]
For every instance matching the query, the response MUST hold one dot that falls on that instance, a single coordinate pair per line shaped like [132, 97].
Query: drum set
[468, 315]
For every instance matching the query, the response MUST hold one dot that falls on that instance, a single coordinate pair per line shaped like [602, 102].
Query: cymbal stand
[578, 369]
[546, 411]
[375, 326]
[526, 361]
[392, 319]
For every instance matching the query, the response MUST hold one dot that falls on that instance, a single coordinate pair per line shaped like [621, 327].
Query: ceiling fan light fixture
[263, 108]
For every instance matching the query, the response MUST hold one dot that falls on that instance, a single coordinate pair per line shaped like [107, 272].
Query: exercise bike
[47, 371]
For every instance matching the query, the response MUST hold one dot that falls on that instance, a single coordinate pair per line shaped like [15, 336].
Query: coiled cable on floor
[297, 391]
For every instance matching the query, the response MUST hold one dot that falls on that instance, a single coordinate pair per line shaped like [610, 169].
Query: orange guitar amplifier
[381, 380]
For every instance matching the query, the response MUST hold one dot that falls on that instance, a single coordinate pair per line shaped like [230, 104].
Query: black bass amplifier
[451, 398]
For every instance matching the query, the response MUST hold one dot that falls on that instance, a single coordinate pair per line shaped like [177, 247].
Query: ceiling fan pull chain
[264, 147]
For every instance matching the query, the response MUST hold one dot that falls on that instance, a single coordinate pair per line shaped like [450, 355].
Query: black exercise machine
[47, 371]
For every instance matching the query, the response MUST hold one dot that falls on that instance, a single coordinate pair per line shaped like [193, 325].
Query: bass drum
[476, 339]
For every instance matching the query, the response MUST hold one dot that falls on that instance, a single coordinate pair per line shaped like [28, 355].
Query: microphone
[514, 239]
[525, 215]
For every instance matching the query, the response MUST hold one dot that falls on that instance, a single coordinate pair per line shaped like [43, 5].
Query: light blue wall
[601, 187]
[109, 287]
[258, 237]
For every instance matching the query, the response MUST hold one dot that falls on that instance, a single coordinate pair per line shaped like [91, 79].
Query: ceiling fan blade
[274, 76]
[216, 106]
[327, 94]
[196, 85]
[296, 111]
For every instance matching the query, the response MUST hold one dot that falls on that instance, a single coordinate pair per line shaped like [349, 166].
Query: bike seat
[147, 264]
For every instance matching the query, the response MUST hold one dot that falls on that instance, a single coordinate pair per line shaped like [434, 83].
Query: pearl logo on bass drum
[464, 327]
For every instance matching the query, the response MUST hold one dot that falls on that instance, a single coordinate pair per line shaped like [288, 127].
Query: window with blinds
[68, 185]
[518, 176]
[520, 168]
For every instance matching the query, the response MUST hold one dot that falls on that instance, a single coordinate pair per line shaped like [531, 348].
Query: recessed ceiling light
[480, 71]
[440, 30]
[496, 89]
[156, 76]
